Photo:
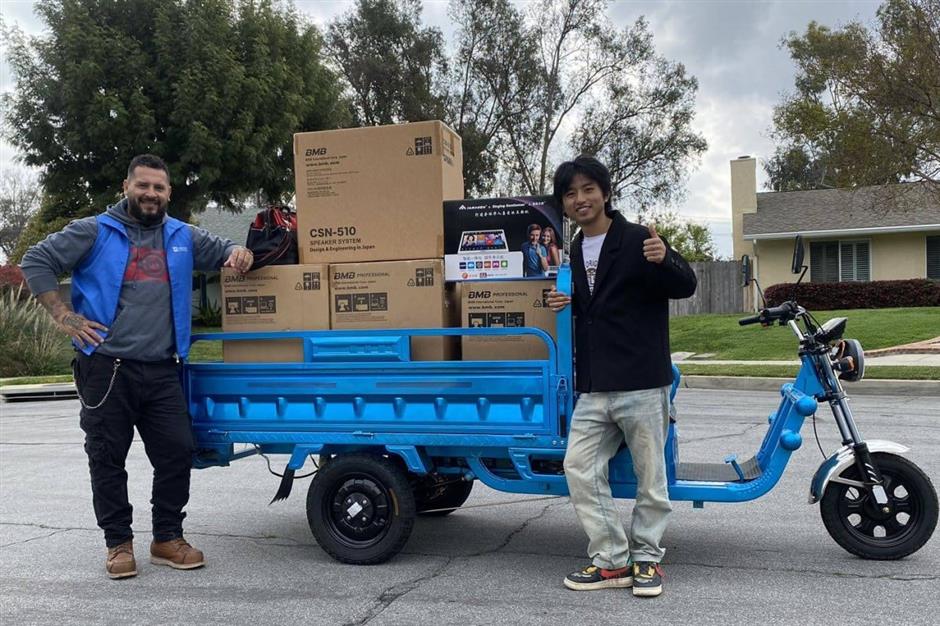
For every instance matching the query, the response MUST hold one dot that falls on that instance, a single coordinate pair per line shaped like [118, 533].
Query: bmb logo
[315, 152]
[344, 275]
[480, 294]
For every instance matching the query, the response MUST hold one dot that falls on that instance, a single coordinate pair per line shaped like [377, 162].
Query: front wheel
[360, 508]
[882, 532]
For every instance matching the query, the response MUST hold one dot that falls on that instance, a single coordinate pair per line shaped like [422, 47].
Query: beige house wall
[899, 256]
[773, 262]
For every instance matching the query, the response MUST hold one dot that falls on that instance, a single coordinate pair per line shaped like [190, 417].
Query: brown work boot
[176, 553]
[121, 563]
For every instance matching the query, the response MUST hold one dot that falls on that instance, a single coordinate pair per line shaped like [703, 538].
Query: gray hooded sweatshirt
[143, 326]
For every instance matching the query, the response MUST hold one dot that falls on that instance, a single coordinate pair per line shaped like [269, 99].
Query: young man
[534, 261]
[130, 322]
[624, 275]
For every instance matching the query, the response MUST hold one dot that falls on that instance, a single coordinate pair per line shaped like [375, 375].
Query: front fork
[872, 479]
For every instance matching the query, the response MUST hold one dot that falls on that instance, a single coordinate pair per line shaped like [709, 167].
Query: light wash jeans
[600, 423]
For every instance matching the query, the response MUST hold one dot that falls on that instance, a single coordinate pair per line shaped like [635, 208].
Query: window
[933, 257]
[854, 263]
[824, 261]
[839, 261]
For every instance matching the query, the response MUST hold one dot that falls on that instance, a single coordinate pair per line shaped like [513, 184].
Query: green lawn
[721, 335]
[206, 350]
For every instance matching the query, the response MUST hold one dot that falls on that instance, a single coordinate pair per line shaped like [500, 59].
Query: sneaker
[593, 577]
[647, 579]
[177, 553]
[121, 563]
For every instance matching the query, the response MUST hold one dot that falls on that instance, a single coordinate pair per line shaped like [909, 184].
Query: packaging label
[423, 146]
[502, 238]
[251, 305]
[360, 302]
[310, 282]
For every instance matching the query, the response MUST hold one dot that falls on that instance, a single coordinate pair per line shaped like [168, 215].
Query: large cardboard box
[506, 304]
[395, 294]
[492, 238]
[277, 297]
[375, 194]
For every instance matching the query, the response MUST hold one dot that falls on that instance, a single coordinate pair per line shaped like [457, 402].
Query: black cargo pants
[150, 397]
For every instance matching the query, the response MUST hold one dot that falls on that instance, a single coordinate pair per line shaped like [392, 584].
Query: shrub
[11, 277]
[30, 342]
[209, 315]
[876, 294]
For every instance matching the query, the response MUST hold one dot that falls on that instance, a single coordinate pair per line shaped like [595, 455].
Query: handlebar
[784, 312]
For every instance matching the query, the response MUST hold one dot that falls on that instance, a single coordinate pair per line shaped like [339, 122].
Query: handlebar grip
[754, 319]
[777, 312]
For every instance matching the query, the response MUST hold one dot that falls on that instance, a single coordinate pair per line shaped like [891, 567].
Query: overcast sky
[731, 46]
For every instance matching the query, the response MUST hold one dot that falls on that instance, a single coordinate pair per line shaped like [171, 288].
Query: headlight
[850, 360]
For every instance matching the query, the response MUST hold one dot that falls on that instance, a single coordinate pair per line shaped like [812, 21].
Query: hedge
[876, 294]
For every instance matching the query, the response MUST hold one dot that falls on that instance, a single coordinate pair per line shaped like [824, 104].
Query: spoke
[903, 506]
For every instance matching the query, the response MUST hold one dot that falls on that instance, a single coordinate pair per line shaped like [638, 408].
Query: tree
[393, 66]
[581, 54]
[19, 200]
[494, 73]
[866, 110]
[216, 88]
[693, 241]
[641, 129]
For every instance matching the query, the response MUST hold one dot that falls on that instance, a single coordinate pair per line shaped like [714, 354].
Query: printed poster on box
[502, 238]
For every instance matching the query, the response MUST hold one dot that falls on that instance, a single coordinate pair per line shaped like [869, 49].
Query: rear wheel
[439, 496]
[360, 508]
[883, 532]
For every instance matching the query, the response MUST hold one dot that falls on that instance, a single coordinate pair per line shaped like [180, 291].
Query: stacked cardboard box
[506, 304]
[369, 205]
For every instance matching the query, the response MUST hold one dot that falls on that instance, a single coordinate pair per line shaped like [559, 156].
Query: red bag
[272, 237]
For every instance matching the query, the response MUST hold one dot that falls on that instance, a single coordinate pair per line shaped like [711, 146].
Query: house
[888, 232]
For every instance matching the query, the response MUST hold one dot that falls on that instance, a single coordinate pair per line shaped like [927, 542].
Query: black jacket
[622, 330]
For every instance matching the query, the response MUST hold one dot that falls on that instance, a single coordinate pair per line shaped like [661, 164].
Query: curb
[37, 393]
[868, 387]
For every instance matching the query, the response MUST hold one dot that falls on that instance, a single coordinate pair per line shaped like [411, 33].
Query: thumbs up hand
[654, 249]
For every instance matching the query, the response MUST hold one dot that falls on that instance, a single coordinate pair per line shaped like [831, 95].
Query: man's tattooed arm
[82, 330]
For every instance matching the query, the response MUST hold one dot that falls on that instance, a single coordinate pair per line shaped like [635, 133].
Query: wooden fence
[719, 290]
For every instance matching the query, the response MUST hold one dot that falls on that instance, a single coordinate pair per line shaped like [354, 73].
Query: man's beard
[147, 219]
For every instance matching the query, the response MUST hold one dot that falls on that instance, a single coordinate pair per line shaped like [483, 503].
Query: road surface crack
[393, 593]
[516, 531]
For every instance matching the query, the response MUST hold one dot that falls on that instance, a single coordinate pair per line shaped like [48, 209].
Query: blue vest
[97, 280]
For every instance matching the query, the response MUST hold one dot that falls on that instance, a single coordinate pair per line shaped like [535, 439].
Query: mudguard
[843, 458]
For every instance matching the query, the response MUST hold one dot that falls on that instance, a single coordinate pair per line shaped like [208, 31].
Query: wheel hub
[359, 510]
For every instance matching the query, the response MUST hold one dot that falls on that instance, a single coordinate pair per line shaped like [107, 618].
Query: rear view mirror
[746, 271]
[797, 265]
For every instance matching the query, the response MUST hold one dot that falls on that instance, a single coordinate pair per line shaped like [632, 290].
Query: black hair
[532, 227]
[590, 168]
[147, 160]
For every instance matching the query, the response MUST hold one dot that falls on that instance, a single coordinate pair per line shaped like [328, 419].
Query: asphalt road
[768, 561]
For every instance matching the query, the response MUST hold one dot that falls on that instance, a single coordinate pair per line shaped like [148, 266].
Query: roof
[233, 226]
[865, 210]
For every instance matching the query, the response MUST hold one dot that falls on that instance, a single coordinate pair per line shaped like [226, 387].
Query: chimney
[743, 200]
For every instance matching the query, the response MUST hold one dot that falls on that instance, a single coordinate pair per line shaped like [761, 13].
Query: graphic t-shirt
[591, 250]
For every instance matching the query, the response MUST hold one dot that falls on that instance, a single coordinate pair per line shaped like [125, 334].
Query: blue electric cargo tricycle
[397, 437]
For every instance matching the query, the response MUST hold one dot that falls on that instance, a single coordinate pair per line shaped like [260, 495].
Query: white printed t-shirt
[591, 251]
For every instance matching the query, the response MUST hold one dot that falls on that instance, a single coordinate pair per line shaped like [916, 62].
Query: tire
[853, 518]
[384, 505]
[438, 500]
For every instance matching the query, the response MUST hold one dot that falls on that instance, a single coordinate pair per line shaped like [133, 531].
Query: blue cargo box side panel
[459, 397]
